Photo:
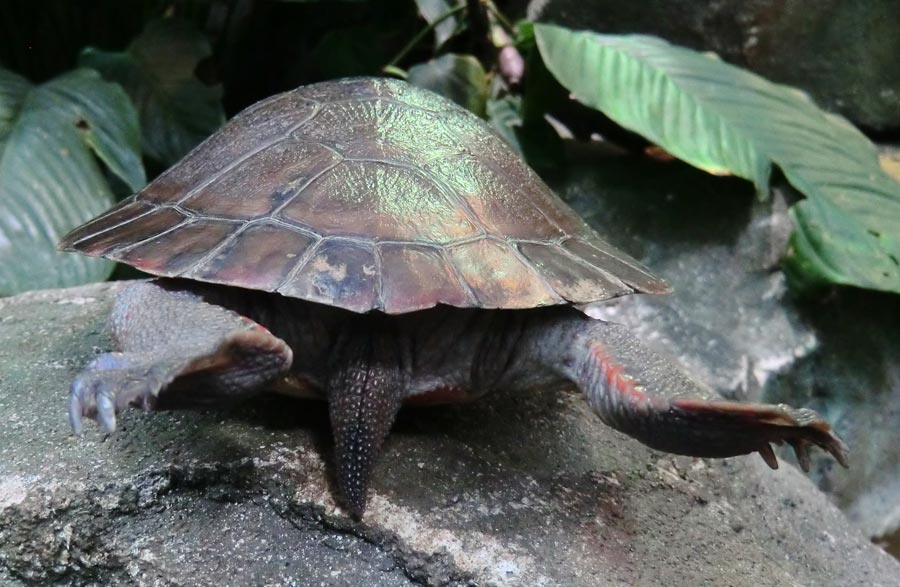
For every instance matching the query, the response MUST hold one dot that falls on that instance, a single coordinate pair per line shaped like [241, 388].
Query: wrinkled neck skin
[469, 351]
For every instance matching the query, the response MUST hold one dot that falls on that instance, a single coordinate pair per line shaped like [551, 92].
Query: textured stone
[843, 53]
[510, 491]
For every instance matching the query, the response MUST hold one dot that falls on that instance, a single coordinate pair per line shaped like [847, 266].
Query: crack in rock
[145, 532]
[430, 570]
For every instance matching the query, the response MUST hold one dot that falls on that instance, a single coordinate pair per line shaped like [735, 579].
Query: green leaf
[50, 180]
[460, 78]
[176, 109]
[432, 11]
[524, 40]
[505, 116]
[723, 119]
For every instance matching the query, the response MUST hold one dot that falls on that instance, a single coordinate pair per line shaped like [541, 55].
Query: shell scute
[571, 278]
[415, 276]
[338, 271]
[173, 252]
[379, 129]
[271, 122]
[399, 202]
[260, 257]
[95, 238]
[275, 174]
[599, 254]
[498, 278]
[500, 206]
[122, 227]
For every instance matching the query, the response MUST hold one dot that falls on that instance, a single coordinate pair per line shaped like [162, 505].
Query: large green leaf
[50, 181]
[460, 78]
[158, 70]
[726, 120]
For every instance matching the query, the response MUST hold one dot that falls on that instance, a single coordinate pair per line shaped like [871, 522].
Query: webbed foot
[750, 428]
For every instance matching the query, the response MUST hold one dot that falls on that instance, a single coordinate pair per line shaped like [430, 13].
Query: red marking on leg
[255, 324]
[617, 378]
[440, 395]
[611, 370]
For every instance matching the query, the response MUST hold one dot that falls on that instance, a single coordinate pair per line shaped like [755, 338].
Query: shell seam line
[460, 278]
[299, 265]
[283, 137]
[153, 208]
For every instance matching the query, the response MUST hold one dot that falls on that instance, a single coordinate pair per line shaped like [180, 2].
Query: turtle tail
[365, 390]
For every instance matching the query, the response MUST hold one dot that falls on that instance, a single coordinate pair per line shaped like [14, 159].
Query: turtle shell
[366, 194]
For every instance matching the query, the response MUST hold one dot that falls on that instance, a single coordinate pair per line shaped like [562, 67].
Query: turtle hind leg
[365, 389]
[649, 397]
[174, 350]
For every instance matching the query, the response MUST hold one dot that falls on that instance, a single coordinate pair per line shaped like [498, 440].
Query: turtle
[372, 243]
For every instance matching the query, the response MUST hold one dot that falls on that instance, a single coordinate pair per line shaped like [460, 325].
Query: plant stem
[501, 18]
[423, 33]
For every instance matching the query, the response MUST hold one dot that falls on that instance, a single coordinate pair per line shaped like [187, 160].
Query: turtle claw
[108, 385]
[106, 413]
[836, 448]
[801, 429]
[768, 455]
[76, 411]
[801, 449]
[804, 428]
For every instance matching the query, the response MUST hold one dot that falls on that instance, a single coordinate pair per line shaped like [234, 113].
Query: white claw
[75, 414]
[106, 413]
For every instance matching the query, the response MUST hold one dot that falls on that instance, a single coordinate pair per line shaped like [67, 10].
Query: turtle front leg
[174, 350]
[649, 397]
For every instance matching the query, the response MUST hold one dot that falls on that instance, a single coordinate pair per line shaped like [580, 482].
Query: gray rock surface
[734, 321]
[843, 53]
[510, 491]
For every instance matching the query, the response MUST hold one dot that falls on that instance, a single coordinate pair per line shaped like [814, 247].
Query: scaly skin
[182, 344]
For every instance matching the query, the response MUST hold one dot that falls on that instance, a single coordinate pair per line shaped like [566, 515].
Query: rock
[733, 320]
[514, 490]
[7, 581]
[843, 53]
